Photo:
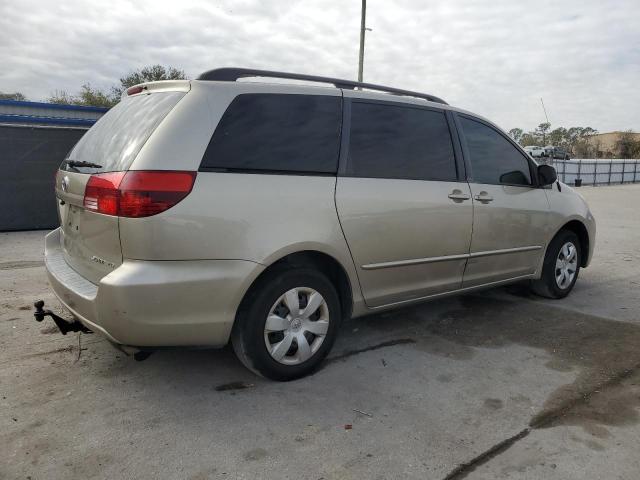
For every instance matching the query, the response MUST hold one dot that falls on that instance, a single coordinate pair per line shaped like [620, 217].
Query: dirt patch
[613, 402]
[493, 403]
[233, 386]
[68, 349]
[256, 454]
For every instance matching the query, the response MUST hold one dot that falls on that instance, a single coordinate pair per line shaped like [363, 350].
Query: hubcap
[296, 326]
[566, 265]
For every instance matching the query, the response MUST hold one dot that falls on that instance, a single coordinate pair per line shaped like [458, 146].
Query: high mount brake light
[136, 194]
[134, 90]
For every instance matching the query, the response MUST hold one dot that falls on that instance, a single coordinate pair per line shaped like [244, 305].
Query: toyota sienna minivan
[217, 210]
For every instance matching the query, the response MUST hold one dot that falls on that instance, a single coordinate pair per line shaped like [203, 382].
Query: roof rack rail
[233, 74]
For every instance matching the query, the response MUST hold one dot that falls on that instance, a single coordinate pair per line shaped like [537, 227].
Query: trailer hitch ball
[63, 325]
[39, 314]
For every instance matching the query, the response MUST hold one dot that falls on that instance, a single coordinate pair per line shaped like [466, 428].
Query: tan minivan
[200, 212]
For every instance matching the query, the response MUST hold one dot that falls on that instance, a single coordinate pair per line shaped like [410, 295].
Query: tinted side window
[389, 141]
[277, 132]
[494, 159]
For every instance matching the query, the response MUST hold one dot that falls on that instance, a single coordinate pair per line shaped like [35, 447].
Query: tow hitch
[63, 325]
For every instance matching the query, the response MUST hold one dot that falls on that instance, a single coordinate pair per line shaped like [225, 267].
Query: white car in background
[536, 151]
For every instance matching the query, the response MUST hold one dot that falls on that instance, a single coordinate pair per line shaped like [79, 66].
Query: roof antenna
[545, 116]
[545, 111]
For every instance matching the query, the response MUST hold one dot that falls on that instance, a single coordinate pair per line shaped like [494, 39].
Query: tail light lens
[101, 193]
[136, 194]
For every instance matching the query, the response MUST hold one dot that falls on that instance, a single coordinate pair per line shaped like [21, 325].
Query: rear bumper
[154, 303]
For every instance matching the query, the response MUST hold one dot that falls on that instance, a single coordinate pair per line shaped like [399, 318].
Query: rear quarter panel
[255, 217]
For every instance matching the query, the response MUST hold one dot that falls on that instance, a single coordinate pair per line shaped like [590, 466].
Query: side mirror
[547, 175]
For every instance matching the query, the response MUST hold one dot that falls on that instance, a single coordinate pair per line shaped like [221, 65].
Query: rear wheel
[561, 266]
[288, 324]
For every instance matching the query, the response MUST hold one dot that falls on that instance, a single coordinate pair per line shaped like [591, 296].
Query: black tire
[547, 286]
[248, 336]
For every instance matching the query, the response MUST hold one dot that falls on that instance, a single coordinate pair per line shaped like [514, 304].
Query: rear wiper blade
[77, 163]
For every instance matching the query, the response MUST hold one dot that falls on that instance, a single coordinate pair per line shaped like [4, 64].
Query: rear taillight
[136, 193]
[101, 193]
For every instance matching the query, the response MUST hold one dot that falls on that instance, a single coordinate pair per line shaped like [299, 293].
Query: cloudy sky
[494, 57]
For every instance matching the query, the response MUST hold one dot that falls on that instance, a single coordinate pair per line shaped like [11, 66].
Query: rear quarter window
[115, 140]
[277, 133]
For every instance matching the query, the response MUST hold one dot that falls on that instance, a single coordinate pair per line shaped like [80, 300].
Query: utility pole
[362, 29]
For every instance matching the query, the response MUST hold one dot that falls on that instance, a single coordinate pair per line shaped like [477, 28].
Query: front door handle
[484, 197]
[457, 196]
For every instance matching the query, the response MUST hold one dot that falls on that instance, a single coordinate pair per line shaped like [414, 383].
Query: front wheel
[560, 268]
[288, 324]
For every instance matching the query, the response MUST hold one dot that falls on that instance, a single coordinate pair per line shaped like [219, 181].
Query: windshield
[115, 140]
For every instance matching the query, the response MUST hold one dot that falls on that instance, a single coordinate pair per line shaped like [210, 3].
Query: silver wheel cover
[566, 265]
[296, 326]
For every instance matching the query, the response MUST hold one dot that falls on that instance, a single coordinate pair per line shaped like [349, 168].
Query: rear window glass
[115, 139]
[277, 133]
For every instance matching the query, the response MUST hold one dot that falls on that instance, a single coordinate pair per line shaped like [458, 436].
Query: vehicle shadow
[603, 354]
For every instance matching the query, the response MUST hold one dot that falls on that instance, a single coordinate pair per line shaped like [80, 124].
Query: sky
[497, 58]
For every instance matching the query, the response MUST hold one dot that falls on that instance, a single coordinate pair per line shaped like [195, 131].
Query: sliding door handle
[458, 196]
[483, 197]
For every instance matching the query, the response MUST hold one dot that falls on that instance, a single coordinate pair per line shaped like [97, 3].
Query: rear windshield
[115, 140]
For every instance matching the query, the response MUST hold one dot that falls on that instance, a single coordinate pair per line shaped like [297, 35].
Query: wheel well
[580, 230]
[319, 261]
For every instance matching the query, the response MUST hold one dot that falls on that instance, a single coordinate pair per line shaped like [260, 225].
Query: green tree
[88, 96]
[12, 96]
[577, 142]
[151, 73]
[627, 146]
[516, 134]
[92, 96]
[528, 139]
[558, 137]
[541, 131]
